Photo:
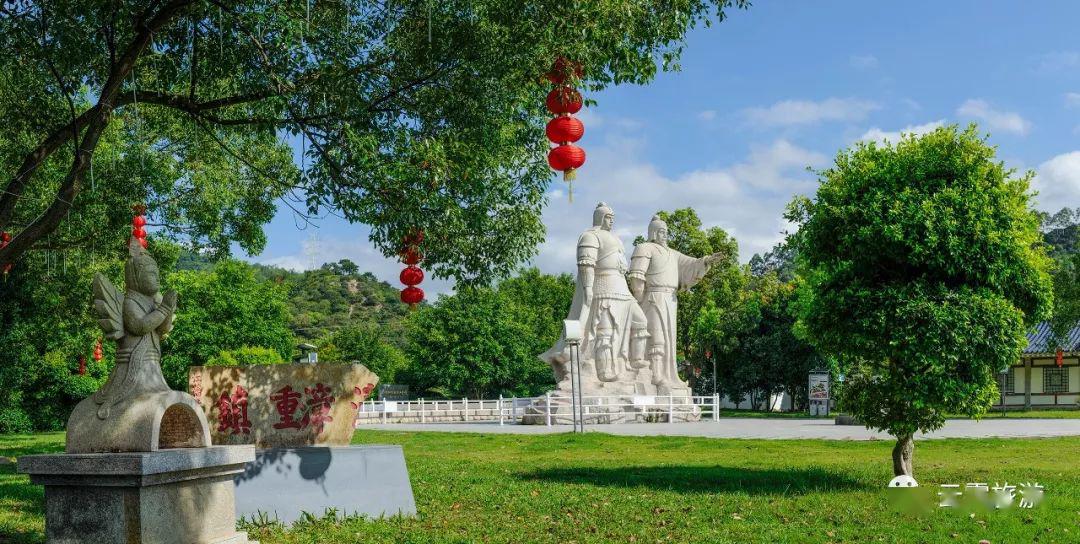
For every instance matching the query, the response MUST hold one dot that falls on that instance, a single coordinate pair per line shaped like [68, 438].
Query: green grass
[602, 488]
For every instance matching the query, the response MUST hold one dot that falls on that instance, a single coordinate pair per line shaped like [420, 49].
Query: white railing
[594, 408]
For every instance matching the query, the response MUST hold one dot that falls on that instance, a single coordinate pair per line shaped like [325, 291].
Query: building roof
[1041, 339]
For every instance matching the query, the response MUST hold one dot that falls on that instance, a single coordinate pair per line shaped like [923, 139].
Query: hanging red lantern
[563, 99]
[137, 223]
[567, 158]
[412, 295]
[562, 69]
[1059, 357]
[411, 255]
[565, 129]
[412, 275]
[82, 365]
[98, 355]
[414, 238]
[5, 238]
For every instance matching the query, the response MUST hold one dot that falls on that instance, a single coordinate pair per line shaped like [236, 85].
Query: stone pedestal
[624, 409]
[356, 480]
[171, 496]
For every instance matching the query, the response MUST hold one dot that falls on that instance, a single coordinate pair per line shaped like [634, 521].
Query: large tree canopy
[410, 114]
[925, 266]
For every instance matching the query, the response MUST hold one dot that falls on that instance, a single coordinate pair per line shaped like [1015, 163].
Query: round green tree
[925, 267]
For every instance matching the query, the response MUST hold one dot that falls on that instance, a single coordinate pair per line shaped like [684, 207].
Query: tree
[483, 341]
[228, 308]
[409, 114]
[1066, 279]
[924, 268]
[364, 344]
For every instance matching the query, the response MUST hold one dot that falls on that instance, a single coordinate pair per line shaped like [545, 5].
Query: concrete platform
[283, 483]
[770, 428]
[170, 496]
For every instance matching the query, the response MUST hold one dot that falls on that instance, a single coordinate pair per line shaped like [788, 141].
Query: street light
[572, 332]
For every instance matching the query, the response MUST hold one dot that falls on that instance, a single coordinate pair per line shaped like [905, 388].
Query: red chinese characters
[315, 411]
[233, 412]
[362, 394]
[287, 402]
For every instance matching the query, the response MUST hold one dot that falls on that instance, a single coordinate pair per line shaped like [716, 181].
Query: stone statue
[135, 410]
[657, 273]
[614, 326]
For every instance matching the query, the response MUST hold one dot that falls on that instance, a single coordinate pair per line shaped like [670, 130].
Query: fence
[550, 409]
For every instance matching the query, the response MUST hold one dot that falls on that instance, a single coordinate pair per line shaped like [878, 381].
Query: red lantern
[411, 255]
[564, 99]
[5, 238]
[414, 238]
[1059, 358]
[567, 158]
[98, 355]
[412, 295]
[561, 70]
[138, 232]
[82, 365]
[138, 222]
[411, 276]
[565, 129]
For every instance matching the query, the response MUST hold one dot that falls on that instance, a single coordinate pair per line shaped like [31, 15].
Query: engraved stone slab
[282, 405]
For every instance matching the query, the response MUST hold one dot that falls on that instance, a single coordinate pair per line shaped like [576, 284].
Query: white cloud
[1053, 63]
[707, 115]
[747, 198]
[1058, 182]
[1005, 121]
[875, 134]
[806, 112]
[1072, 100]
[863, 61]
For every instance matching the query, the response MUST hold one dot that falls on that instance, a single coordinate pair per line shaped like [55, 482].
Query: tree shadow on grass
[705, 479]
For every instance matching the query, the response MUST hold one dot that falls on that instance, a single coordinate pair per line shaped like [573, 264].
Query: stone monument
[628, 346]
[138, 465]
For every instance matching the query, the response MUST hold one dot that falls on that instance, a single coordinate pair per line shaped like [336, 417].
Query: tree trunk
[901, 455]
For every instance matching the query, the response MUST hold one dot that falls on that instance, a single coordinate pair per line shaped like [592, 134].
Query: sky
[780, 88]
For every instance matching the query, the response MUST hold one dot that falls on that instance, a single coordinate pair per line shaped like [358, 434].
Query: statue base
[557, 409]
[175, 496]
[144, 423]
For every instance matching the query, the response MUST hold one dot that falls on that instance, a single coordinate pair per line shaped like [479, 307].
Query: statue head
[658, 231]
[603, 217]
[140, 270]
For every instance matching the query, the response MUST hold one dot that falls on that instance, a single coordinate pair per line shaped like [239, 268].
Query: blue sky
[783, 86]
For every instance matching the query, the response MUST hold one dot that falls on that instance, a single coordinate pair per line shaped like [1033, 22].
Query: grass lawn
[601, 488]
[1032, 414]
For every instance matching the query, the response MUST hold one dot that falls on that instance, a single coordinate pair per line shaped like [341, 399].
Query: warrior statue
[614, 327]
[657, 273]
[135, 410]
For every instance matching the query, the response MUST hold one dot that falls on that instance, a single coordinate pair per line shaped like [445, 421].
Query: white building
[1036, 381]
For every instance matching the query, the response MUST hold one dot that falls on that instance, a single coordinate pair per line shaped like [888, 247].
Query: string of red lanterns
[5, 239]
[412, 275]
[98, 354]
[564, 101]
[137, 224]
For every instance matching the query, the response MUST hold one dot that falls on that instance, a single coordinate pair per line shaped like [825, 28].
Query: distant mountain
[328, 298]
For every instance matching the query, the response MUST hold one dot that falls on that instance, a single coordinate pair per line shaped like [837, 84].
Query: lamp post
[572, 332]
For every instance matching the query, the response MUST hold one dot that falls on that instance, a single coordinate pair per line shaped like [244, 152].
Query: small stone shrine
[139, 466]
[627, 351]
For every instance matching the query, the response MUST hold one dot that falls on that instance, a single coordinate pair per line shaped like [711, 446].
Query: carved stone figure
[135, 410]
[657, 273]
[614, 326]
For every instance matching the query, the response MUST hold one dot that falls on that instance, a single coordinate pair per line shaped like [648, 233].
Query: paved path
[767, 428]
